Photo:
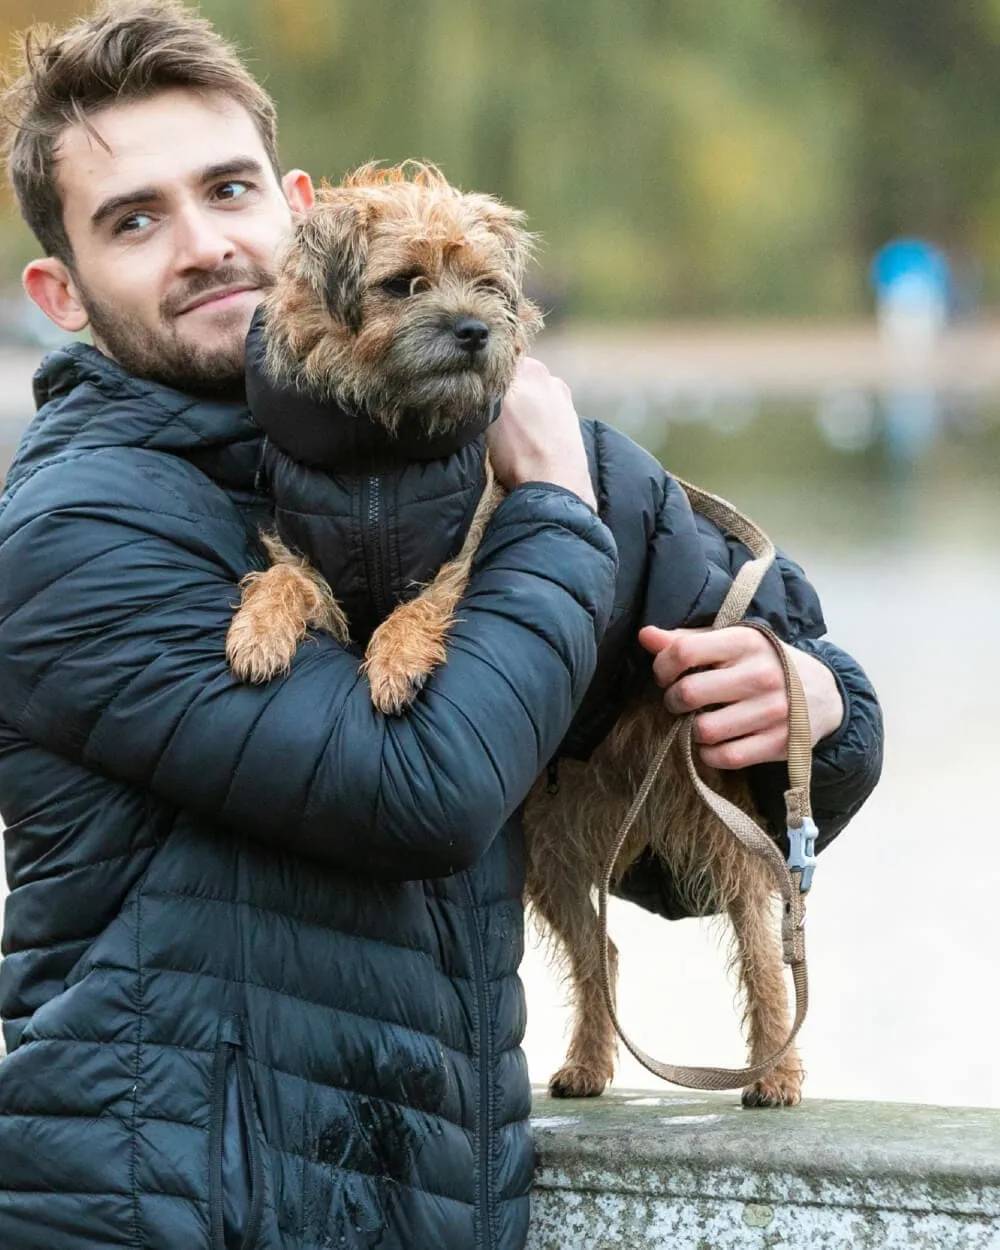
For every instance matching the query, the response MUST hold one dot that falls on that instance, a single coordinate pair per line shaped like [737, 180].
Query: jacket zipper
[485, 1125]
[371, 532]
[230, 1050]
[256, 1213]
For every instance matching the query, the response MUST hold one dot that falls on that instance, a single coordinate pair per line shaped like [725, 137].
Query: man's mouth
[221, 297]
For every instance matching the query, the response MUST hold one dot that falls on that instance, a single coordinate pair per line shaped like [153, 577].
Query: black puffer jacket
[245, 1001]
[260, 978]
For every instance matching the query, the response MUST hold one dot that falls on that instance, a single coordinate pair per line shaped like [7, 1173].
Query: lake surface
[904, 922]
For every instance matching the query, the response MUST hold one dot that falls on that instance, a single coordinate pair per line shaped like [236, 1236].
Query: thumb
[654, 639]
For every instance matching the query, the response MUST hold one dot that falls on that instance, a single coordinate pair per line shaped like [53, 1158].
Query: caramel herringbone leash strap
[792, 878]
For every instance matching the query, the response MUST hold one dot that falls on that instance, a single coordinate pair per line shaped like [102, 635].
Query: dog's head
[399, 292]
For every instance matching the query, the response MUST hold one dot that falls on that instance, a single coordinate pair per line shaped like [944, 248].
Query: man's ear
[52, 287]
[298, 189]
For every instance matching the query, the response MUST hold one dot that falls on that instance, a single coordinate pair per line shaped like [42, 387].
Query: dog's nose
[471, 334]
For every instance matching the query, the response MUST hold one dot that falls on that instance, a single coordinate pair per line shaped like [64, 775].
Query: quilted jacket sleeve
[115, 598]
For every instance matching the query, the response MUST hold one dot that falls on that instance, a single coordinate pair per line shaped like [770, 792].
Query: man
[260, 986]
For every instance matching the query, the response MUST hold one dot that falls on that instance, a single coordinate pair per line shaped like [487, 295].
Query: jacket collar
[86, 400]
[330, 436]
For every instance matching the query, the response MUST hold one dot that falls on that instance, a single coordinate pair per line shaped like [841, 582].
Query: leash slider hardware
[802, 851]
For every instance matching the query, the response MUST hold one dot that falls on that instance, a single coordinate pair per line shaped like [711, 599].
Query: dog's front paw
[780, 1088]
[576, 1080]
[256, 650]
[277, 606]
[402, 654]
[393, 692]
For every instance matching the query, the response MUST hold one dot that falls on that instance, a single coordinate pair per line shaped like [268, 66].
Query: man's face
[174, 229]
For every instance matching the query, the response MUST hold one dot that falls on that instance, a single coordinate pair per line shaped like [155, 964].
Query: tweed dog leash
[793, 876]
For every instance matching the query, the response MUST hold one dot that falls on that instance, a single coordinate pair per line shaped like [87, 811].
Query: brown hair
[123, 51]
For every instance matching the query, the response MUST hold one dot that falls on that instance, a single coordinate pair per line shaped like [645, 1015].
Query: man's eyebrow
[230, 168]
[145, 195]
[115, 203]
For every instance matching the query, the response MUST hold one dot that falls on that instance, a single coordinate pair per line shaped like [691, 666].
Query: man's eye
[399, 287]
[134, 223]
[232, 190]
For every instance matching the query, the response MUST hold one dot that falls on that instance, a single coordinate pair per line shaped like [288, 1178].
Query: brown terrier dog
[400, 294]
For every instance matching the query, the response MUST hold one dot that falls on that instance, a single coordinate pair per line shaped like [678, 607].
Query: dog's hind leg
[568, 914]
[761, 973]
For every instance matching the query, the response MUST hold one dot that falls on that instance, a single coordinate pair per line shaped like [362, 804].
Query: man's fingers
[678, 650]
[742, 720]
[747, 679]
[655, 639]
[762, 748]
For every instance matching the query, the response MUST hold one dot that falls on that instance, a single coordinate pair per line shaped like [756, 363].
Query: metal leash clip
[802, 851]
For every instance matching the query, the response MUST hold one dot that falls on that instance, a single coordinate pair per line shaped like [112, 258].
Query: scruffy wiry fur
[335, 327]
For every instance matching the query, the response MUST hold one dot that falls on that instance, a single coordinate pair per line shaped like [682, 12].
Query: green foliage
[678, 158]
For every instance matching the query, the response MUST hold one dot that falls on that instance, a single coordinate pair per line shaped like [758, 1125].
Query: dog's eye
[493, 284]
[399, 287]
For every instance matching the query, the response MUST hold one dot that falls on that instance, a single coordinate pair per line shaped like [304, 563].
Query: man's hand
[537, 436]
[743, 689]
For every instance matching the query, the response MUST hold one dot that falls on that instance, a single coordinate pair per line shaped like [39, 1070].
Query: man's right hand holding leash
[734, 681]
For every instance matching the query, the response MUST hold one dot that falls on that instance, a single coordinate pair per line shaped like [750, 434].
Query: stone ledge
[697, 1172]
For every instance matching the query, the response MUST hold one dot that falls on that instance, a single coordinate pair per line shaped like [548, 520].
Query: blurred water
[903, 921]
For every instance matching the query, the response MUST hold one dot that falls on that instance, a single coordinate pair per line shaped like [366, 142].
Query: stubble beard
[161, 354]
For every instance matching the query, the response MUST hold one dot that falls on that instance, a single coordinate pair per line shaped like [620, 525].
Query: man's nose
[200, 242]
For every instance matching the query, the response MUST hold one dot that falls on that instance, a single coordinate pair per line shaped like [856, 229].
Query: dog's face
[399, 292]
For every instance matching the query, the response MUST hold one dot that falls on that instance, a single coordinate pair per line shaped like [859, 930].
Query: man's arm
[113, 656]
[116, 592]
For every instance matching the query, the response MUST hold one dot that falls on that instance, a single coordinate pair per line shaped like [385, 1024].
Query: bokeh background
[771, 253]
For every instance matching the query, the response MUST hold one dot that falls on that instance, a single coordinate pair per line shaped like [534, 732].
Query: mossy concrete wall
[693, 1172]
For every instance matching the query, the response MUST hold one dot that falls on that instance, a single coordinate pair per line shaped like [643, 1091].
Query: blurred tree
[16, 15]
[678, 159]
[924, 80]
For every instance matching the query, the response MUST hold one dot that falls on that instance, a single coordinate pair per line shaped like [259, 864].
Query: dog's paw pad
[776, 1090]
[576, 1081]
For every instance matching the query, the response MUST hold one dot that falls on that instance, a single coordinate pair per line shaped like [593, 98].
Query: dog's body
[402, 296]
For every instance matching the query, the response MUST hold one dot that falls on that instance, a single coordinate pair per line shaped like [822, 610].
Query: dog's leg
[277, 606]
[563, 904]
[758, 957]
[410, 642]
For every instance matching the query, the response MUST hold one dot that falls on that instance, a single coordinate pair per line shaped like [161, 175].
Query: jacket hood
[86, 401]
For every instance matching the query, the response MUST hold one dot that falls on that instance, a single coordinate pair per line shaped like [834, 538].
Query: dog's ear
[508, 226]
[332, 242]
